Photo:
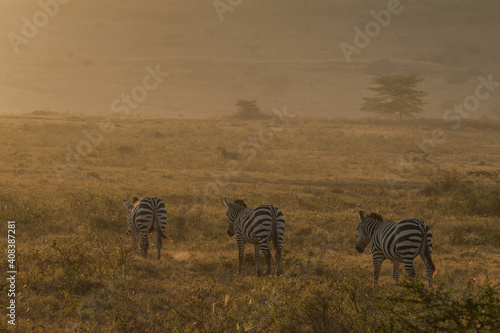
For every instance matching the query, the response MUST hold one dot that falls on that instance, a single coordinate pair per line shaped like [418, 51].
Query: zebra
[144, 216]
[19, 172]
[396, 241]
[257, 226]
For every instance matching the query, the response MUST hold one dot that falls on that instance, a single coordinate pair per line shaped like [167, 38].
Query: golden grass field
[78, 272]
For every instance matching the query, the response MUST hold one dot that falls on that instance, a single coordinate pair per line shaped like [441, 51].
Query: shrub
[248, 109]
[419, 309]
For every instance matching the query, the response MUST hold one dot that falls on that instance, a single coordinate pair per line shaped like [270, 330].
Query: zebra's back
[411, 235]
[145, 211]
[261, 222]
[402, 239]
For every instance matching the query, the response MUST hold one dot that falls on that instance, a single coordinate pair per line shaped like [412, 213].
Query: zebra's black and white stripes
[144, 216]
[399, 242]
[257, 226]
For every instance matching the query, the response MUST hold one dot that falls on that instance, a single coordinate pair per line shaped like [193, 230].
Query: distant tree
[395, 94]
[248, 109]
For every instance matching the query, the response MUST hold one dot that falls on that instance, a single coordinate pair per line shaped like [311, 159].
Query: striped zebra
[257, 226]
[396, 241]
[144, 216]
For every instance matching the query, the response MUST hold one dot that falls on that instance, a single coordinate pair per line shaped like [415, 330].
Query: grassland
[78, 272]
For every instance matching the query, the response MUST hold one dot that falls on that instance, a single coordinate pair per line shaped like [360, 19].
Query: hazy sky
[315, 57]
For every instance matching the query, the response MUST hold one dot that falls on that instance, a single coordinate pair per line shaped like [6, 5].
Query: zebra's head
[233, 209]
[129, 213]
[365, 228]
[363, 236]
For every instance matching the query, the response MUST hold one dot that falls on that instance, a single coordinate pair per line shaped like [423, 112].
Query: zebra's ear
[361, 215]
[227, 202]
[126, 203]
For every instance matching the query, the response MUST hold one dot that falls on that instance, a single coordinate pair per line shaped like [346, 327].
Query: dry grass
[78, 272]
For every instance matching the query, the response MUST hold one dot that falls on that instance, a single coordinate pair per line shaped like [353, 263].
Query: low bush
[419, 309]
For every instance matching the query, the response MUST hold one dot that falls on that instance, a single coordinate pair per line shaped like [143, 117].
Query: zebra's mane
[376, 216]
[240, 202]
[135, 199]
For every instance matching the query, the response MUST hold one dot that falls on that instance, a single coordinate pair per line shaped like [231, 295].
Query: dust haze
[84, 55]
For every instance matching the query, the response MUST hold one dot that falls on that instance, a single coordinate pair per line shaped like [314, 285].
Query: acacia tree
[395, 94]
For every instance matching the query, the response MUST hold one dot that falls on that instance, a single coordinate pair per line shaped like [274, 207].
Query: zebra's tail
[156, 226]
[427, 249]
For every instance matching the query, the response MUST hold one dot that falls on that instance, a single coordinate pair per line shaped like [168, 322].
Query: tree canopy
[395, 94]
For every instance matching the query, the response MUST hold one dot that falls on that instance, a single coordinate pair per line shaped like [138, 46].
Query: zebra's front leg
[257, 257]
[377, 265]
[144, 244]
[395, 271]
[264, 246]
[159, 242]
[241, 252]
[133, 232]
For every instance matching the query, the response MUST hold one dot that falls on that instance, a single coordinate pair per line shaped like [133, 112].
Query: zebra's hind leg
[256, 256]
[278, 262]
[144, 244]
[159, 242]
[395, 271]
[264, 246]
[410, 270]
[429, 269]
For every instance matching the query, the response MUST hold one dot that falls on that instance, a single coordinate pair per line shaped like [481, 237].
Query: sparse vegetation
[248, 109]
[45, 113]
[466, 194]
[474, 308]
[78, 271]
